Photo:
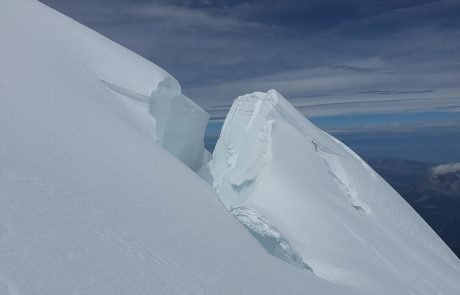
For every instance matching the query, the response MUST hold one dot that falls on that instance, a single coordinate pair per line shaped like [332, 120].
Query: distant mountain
[432, 190]
[445, 179]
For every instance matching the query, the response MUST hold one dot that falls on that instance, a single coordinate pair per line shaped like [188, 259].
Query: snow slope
[89, 202]
[315, 204]
[33, 45]
[93, 198]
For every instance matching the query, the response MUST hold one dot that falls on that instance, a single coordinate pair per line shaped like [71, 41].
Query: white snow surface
[38, 52]
[300, 187]
[89, 202]
[93, 198]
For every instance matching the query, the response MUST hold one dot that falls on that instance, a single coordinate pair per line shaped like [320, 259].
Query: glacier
[99, 193]
[90, 201]
[335, 215]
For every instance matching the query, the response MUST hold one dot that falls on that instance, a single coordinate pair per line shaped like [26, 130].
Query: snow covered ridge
[71, 52]
[90, 203]
[312, 202]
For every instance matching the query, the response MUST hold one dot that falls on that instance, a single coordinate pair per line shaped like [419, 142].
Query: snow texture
[93, 198]
[62, 47]
[337, 216]
[89, 202]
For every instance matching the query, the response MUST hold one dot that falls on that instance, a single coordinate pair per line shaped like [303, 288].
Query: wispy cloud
[413, 127]
[334, 90]
[186, 17]
[328, 57]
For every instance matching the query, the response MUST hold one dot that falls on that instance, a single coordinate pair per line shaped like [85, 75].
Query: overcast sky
[328, 57]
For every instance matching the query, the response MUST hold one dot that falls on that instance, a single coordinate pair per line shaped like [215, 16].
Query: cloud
[336, 90]
[446, 169]
[328, 57]
[451, 127]
[186, 17]
[102, 13]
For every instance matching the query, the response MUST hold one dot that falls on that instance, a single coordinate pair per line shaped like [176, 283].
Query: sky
[386, 66]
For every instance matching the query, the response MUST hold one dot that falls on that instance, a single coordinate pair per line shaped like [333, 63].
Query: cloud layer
[328, 57]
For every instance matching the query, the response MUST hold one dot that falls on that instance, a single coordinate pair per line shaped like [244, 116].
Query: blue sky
[429, 139]
[344, 64]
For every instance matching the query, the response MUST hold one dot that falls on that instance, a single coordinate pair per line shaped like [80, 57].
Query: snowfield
[99, 195]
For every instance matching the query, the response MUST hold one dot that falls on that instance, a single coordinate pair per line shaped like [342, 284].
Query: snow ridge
[312, 202]
[335, 169]
[90, 203]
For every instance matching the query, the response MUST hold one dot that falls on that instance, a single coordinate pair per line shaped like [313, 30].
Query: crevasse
[180, 124]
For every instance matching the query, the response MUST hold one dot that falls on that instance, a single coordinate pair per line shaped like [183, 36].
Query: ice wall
[180, 123]
[312, 202]
[243, 149]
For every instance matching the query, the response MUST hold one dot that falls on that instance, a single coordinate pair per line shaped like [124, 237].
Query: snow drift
[314, 203]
